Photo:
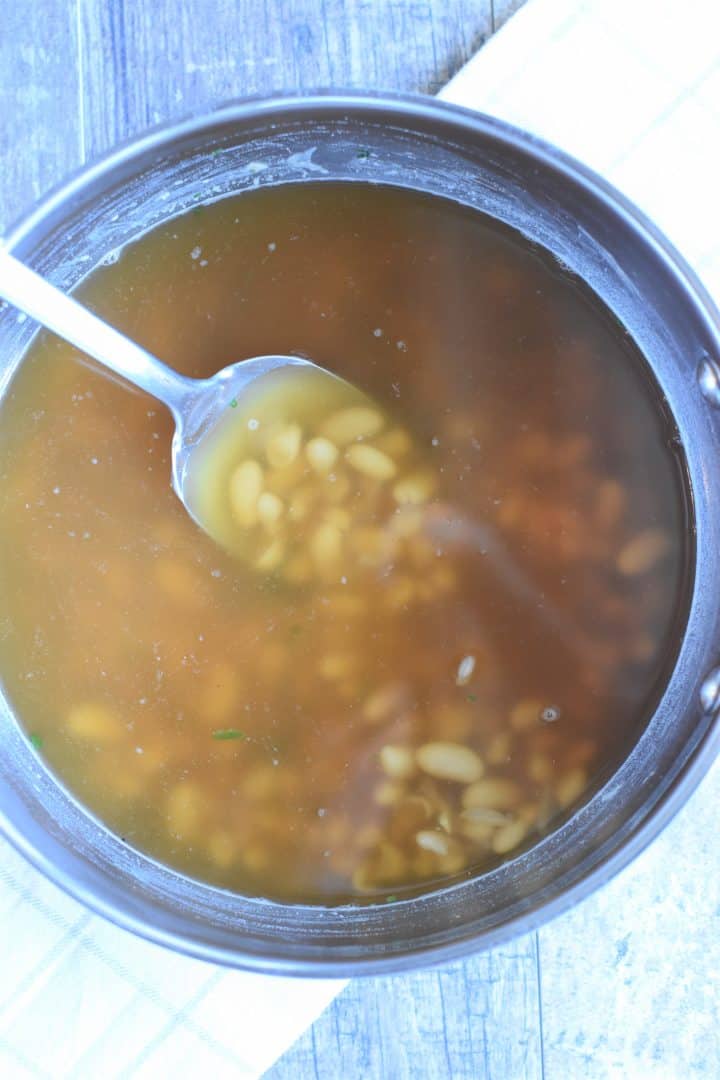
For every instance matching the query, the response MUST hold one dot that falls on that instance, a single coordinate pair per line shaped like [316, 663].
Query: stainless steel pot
[418, 143]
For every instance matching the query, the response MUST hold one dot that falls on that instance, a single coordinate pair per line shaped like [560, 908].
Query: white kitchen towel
[82, 999]
[632, 87]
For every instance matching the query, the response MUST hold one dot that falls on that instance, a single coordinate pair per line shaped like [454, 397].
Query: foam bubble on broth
[376, 698]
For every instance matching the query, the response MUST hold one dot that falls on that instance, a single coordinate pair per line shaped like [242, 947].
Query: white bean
[370, 462]
[271, 557]
[94, 721]
[348, 425]
[450, 761]
[415, 489]
[245, 487]
[284, 447]
[570, 786]
[397, 762]
[388, 700]
[436, 842]
[643, 552]
[321, 454]
[269, 509]
[508, 837]
[326, 546]
[496, 792]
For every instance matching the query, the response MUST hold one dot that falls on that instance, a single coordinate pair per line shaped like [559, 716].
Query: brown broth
[435, 699]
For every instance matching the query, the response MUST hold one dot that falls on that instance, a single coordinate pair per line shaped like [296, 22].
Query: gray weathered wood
[474, 1020]
[502, 10]
[629, 977]
[143, 63]
[40, 126]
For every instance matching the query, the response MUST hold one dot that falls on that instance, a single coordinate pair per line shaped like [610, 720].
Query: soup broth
[415, 673]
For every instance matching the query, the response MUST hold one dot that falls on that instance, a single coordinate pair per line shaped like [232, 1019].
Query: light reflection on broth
[436, 662]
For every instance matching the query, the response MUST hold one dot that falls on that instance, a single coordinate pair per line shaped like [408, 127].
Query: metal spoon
[197, 405]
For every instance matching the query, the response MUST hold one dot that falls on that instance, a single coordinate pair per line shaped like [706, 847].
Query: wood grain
[474, 1020]
[629, 977]
[39, 101]
[501, 10]
[144, 64]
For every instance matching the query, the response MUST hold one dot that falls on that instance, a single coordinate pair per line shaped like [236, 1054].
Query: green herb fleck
[296, 630]
[363, 153]
[472, 697]
[229, 733]
[214, 153]
[233, 403]
[390, 899]
[36, 740]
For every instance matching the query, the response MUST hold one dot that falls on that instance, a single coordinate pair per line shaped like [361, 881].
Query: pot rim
[404, 107]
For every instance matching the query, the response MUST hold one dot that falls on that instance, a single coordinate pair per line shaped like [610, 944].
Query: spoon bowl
[207, 403]
[225, 426]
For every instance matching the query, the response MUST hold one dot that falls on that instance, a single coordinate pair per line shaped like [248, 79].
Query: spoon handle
[31, 293]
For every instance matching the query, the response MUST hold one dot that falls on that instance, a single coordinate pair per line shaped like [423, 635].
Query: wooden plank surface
[630, 976]
[140, 68]
[626, 987]
[474, 1020]
[40, 128]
